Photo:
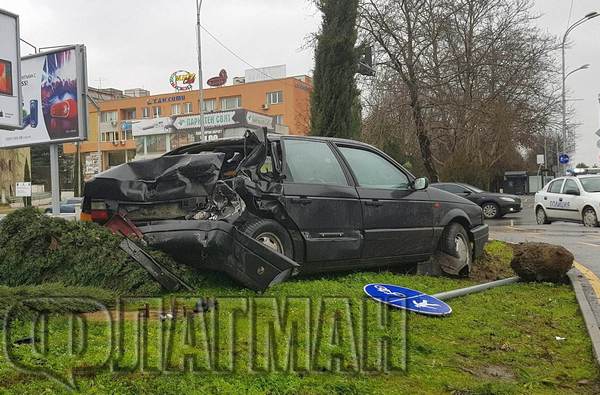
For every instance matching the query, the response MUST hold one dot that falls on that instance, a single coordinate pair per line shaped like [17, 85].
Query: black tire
[270, 233]
[449, 244]
[590, 218]
[541, 217]
[490, 210]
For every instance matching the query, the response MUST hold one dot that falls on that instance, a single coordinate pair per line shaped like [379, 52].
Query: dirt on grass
[494, 264]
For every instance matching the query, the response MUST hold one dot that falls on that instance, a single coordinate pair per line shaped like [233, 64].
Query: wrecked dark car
[263, 208]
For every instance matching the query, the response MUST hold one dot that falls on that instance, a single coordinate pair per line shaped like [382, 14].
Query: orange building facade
[110, 140]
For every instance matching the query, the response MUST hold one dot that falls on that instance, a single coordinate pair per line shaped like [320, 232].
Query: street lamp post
[586, 18]
[200, 77]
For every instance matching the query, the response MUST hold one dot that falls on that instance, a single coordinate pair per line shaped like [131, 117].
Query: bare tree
[479, 78]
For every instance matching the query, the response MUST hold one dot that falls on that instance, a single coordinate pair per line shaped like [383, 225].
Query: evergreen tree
[335, 102]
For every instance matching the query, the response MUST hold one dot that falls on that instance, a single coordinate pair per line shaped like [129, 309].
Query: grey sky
[140, 43]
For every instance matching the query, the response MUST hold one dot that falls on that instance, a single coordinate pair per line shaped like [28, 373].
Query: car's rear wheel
[271, 234]
[490, 210]
[455, 242]
[590, 218]
[541, 217]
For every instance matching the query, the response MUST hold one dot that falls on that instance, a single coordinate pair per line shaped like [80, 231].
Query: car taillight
[98, 212]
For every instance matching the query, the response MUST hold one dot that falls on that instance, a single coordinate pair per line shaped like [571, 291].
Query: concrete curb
[586, 310]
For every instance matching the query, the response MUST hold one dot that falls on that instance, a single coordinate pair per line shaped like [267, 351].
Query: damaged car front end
[189, 205]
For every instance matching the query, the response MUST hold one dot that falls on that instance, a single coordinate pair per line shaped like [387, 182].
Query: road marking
[590, 276]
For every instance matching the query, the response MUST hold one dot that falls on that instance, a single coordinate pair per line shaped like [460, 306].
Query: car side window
[373, 170]
[570, 186]
[312, 162]
[555, 186]
[451, 188]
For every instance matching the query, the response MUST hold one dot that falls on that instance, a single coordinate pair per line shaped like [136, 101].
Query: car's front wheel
[455, 242]
[490, 210]
[590, 218]
[541, 217]
[271, 234]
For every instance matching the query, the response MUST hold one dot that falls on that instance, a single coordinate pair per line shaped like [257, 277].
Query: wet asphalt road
[583, 242]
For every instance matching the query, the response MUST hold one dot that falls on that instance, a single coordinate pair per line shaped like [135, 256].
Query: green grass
[498, 342]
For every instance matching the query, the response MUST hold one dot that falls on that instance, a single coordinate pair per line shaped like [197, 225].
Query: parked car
[494, 205]
[320, 204]
[67, 206]
[573, 199]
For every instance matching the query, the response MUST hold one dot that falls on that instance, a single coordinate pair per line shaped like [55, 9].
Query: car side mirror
[420, 184]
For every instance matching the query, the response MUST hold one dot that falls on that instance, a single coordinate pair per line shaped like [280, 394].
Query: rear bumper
[479, 235]
[220, 246]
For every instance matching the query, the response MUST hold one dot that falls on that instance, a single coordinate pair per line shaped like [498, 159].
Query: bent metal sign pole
[419, 302]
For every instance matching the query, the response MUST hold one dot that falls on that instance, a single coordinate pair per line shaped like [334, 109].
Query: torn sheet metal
[167, 178]
[218, 245]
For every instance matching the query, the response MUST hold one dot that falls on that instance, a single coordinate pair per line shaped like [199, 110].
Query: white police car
[574, 199]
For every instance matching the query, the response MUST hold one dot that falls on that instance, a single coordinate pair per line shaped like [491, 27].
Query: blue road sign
[564, 159]
[407, 299]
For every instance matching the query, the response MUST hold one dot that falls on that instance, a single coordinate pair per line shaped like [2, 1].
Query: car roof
[271, 137]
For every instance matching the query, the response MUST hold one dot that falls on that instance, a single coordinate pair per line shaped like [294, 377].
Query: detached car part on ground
[263, 208]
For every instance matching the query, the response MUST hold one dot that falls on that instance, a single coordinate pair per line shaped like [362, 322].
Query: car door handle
[374, 203]
[545, 198]
[560, 199]
[302, 201]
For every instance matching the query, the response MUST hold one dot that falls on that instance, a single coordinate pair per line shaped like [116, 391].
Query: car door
[570, 198]
[398, 220]
[322, 201]
[553, 200]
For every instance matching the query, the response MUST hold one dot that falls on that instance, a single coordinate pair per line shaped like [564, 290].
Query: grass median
[522, 338]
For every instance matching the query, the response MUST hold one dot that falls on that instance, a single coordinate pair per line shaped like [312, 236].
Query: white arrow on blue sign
[564, 159]
[407, 299]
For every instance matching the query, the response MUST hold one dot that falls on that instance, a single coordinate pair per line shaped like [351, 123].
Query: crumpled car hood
[154, 180]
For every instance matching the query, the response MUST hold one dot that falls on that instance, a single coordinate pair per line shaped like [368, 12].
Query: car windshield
[591, 184]
[474, 189]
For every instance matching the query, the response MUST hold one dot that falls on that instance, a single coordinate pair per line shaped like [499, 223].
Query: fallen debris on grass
[37, 249]
[541, 262]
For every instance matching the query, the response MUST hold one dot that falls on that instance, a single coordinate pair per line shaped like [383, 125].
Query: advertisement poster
[10, 92]
[54, 103]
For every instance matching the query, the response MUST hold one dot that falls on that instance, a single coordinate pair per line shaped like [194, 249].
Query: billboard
[54, 105]
[10, 87]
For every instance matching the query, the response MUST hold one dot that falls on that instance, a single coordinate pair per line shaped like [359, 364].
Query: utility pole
[200, 77]
[586, 18]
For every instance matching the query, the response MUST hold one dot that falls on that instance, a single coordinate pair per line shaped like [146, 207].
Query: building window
[145, 112]
[175, 109]
[156, 111]
[110, 136]
[187, 108]
[108, 116]
[275, 97]
[140, 145]
[278, 119]
[129, 114]
[209, 105]
[231, 103]
[156, 144]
